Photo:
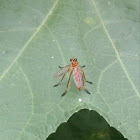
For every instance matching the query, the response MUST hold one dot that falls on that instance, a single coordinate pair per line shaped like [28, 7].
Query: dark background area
[86, 125]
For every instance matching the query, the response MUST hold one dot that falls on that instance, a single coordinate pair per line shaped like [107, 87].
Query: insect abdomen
[77, 77]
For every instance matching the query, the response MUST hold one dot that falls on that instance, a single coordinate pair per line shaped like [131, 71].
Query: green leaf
[86, 125]
[38, 35]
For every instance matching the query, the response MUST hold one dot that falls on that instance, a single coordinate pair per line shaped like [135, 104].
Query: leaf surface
[37, 36]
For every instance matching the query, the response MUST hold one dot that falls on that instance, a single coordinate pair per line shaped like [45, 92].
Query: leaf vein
[102, 73]
[32, 101]
[30, 39]
[58, 45]
[116, 51]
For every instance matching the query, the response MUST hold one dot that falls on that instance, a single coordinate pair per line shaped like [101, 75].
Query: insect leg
[87, 91]
[85, 79]
[83, 66]
[60, 67]
[89, 82]
[60, 81]
[67, 84]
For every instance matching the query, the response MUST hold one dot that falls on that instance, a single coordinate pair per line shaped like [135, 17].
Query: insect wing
[62, 71]
[77, 73]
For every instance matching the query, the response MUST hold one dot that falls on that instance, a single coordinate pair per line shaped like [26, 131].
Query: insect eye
[70, 59]
[75, 59]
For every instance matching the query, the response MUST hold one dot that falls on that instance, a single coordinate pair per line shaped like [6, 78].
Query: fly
[78, 74]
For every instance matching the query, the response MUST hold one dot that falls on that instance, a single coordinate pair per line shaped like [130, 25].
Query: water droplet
[80, 100]
[52, 57]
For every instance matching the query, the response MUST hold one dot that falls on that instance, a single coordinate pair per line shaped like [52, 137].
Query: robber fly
[78, 74]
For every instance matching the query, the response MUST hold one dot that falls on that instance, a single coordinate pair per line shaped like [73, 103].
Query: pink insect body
[77, 77]
[78, 74]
